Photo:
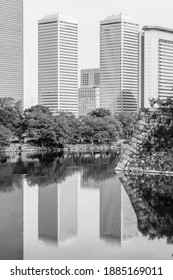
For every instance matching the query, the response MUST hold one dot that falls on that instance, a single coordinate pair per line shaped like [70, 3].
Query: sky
[88, 13]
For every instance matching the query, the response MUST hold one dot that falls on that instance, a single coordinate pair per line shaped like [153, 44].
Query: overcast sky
[88, 13]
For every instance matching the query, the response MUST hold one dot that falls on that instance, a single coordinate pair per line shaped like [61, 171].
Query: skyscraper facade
[90, 77]
[11, 49]
[89, 91]
[58, 63]
[156, 63]
[89, 99]
[119, 55]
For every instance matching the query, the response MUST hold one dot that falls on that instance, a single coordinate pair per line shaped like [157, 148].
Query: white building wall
[158, 63]
[130, 57]
[11, 49]
[89, 99]
[58, 63]
[119, 63]
[90, 77]
[48, 63]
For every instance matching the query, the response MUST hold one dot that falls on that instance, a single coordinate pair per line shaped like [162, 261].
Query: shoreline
[80, 148]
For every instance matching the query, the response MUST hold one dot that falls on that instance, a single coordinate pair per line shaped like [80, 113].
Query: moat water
[74, 206]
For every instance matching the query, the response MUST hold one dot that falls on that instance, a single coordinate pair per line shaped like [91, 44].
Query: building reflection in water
[57, 211]
[11, 219]
[118, 220]
[67, 219]
[48, 213]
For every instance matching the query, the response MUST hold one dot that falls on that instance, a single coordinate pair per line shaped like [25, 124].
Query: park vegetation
[39, 127]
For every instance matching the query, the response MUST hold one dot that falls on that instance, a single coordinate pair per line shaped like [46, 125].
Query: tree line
[42, 128]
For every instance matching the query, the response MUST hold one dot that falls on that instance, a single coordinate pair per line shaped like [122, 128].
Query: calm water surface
[75, 207]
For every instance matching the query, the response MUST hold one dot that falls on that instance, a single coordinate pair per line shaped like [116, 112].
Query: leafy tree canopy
[162, 103]
[6, 135]
[127, 120]
[100, 112]
[10, 114]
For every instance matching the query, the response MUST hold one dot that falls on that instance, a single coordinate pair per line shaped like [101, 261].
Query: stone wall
[149, 123]
[152, 199]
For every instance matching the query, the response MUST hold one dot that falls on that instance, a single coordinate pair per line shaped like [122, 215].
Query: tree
[100, 112]
[49, 130]
[101, 129]
[6, 136]
[162, 103]
[10, 115]
[66, 127]
[38, 125]
[127, 120]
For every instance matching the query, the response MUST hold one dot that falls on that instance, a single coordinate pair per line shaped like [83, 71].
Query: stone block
[134, 139]
[141, 127]
[139, 136]
[132, 149]
[126, 157]
[135, 146]
[123, 161]
[142, 122]
[124, 179]
[120, 165]
[127, 152]
[125, 184]
[138, 131]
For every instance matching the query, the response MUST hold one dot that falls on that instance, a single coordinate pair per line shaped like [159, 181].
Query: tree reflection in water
[46, 169]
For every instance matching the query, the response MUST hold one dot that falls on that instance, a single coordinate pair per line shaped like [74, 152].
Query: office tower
[156, 77]
[119, 56]
[89, 99]
[90, 77]
[89, 91]
[11, 49]
[58, 63]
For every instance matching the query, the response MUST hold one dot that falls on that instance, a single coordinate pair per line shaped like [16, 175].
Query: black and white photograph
[86, 130]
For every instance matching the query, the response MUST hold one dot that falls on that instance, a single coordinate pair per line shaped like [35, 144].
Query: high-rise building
[11, 49]
[89, 99]
[119, 55]
[90, 77]
[58, 63]
[156, 77]
[89, 92]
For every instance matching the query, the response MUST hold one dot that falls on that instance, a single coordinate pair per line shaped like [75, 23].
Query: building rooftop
[58, 16]
[91, 69]
[157, 28]
[117, 18]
